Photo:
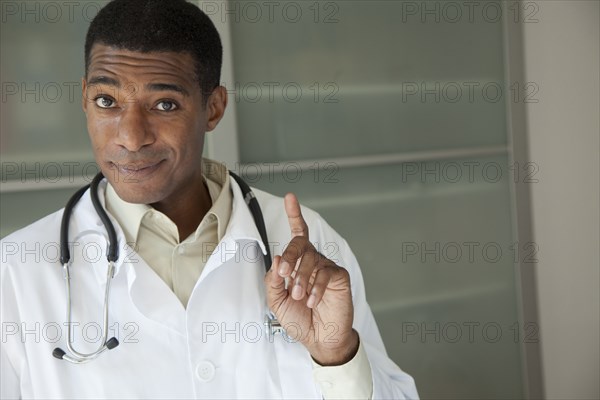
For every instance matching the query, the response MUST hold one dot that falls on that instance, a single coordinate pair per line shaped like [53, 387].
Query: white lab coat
[216, 348]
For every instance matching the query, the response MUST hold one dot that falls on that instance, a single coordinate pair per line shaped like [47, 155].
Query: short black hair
[160, 25]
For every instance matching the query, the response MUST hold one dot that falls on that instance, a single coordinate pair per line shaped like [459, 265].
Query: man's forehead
[168, 62]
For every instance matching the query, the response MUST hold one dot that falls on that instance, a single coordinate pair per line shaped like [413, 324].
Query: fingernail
[283, 267]
[297, 291]
[311, 301]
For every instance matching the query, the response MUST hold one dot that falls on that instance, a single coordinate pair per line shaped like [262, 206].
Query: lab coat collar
[241, 227]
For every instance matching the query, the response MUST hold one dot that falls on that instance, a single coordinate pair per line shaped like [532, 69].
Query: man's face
[146, 121]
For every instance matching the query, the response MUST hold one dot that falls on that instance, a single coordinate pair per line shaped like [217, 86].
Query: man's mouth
[136, 170]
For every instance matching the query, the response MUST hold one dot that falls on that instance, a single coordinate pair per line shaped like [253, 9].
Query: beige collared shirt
[180, 261]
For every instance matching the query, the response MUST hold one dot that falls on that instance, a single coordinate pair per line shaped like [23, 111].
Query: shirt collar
[217, 179]
[216, 176]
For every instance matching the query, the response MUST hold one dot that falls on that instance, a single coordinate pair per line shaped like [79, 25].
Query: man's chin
[138, 195]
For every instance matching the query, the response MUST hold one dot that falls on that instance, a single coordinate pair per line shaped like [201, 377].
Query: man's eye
[166, 106]
[104, 102]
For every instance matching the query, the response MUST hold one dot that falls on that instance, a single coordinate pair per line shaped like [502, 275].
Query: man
[189, 288]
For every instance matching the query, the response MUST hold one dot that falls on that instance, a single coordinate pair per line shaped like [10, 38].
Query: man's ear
[216, 104]
[83, 95]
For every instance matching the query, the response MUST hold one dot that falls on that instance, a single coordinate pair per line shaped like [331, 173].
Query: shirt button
[326, 384]
[181, 250]
[205, 371]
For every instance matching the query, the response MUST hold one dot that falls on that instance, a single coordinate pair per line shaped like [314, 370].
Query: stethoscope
[271, 324]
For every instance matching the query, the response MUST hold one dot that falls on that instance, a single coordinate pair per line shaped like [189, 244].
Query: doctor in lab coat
[214, 346]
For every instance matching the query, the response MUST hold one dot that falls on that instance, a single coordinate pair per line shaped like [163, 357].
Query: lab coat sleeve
[9, 379]
[389, 381]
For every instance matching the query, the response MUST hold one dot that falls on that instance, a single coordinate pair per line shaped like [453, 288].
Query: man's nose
[134, 131]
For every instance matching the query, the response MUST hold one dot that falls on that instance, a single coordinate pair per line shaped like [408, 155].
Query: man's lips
[137, 166]
[137, 169]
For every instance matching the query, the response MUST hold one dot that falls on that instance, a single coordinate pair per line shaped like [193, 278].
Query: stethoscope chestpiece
[273, 327]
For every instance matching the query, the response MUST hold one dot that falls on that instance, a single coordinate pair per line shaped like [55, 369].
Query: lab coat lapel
[225, 323]
[148, 292]
[228, 305]
[241, 227]
[230, 297]
[152, 297]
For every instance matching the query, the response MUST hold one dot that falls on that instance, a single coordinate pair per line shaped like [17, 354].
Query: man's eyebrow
[103, 80]
[162, 87]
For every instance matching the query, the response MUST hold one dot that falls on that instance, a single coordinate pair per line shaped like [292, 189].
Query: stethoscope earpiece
[78, 358]
[58, 353]
[112, 343]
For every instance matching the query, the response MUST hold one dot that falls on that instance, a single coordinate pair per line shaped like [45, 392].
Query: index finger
[298, 226]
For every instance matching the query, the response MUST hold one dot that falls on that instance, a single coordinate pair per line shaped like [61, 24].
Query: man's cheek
[98, 141]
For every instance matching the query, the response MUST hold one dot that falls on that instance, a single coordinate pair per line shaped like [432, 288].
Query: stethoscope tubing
[65, 257]
[271, 323]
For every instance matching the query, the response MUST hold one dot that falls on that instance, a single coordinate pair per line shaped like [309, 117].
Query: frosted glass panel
[19, 209]
[355, 126]
[43, 133]
[42, 66]
[461, 348]
[357, 78]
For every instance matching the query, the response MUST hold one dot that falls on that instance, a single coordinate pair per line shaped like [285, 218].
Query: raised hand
[316, 306]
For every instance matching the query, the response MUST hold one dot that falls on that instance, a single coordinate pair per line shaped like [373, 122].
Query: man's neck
[187, 210]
